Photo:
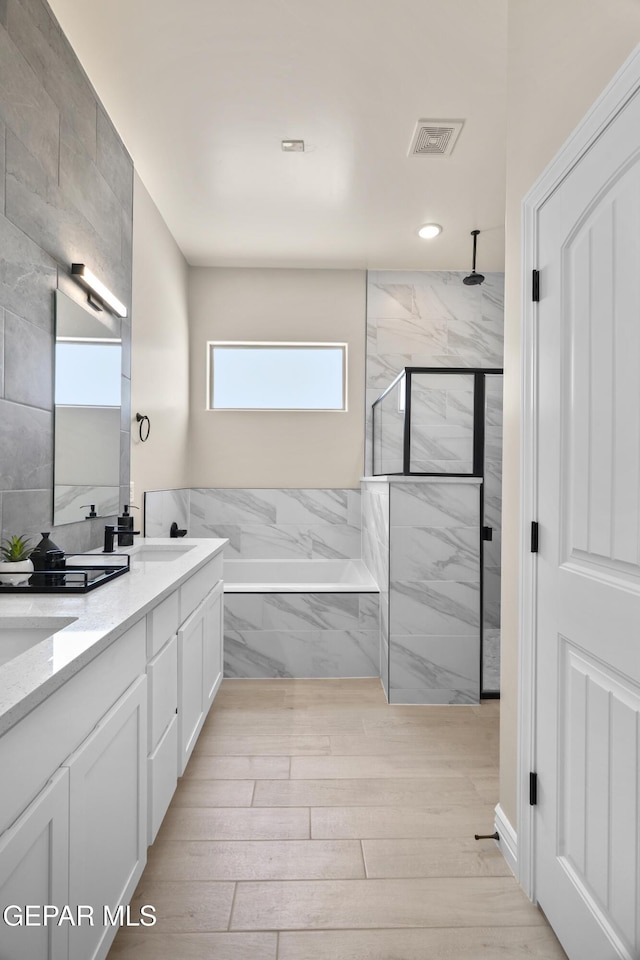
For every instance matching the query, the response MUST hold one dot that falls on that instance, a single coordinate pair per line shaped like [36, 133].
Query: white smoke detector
[435, 138]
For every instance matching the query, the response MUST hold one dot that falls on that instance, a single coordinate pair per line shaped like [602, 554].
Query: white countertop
[99, 617]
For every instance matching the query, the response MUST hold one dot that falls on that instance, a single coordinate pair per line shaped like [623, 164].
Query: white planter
[12, 574]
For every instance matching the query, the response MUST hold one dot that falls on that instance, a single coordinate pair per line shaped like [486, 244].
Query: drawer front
[163, 777]
[162, 673]
[162, 623]
[195, 589]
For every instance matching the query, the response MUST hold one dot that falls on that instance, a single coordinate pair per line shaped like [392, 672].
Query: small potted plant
[15, 565]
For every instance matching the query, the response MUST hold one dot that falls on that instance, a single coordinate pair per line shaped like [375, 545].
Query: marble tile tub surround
[314, 635]
[296, 524]
[66, 188]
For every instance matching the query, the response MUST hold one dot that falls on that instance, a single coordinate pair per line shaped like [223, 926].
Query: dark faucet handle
[175, 532]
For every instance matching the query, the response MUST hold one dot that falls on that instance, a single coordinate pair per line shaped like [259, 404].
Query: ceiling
[203, 91]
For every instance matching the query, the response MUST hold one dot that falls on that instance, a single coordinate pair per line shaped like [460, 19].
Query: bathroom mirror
[88, 368]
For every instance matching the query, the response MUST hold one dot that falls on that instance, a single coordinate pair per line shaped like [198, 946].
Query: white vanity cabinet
[89, 771]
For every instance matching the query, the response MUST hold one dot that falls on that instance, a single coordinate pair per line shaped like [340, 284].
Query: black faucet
[109, 534]
[174, 531]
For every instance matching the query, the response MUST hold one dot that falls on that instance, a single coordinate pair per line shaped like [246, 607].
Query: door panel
[587, 859]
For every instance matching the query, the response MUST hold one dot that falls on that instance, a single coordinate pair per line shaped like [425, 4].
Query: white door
[587, 821]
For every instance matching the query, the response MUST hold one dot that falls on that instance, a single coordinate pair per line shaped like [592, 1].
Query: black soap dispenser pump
[125, 524]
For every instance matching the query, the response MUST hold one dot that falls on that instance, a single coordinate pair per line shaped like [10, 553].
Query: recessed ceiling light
[429, 230]
[292, 146]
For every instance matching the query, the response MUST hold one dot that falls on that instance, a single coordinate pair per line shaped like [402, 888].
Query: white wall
[160, 351]
[560, 57]
[268, 449]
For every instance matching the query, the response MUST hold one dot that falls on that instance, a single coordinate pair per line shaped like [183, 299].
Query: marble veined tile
[271, 541]
[311, 506]
[491, 659]
[332, 541]
[434, 504]
[243, 611]
[434, 607]
[162, 508]
[352, 653]
[326, 611]
[435, 553]
[411, 335]
[478, 340]
[464, 467]
[274, 653]
[441, 441]
[234, 505]
[388, 298]
[354, 508]
[369, 611]
[493, 297]
[227, 531]
[382, 369]
[436, 663]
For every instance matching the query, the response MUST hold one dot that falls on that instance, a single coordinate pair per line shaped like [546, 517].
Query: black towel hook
[142, 419]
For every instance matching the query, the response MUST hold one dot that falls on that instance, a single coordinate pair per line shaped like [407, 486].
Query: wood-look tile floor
[314, 822]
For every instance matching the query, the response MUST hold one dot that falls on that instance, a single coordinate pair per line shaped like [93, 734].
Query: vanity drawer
[198, 586]
[162, 674]
[162, 623]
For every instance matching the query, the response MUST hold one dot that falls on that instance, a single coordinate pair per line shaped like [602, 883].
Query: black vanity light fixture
[97, 287]
[474, 278]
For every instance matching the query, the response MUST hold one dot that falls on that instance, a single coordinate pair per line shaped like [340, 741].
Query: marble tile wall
[434, 597]
[430, 318]
[375, 553]
[301, 635]
[291, 524]
[164, 507]
[66, 189]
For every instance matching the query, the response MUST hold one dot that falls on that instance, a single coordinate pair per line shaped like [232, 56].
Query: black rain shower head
[474, 278]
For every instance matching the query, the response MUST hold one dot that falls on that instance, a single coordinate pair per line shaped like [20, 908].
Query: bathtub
[300, 618]
[297, 576]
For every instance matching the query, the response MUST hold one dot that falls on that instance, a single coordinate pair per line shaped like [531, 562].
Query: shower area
[432, 498]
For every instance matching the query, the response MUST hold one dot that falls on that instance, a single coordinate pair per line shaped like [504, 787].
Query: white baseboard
[508, 842]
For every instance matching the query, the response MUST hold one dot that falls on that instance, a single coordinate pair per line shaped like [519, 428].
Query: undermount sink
[17, 636]
[159, 553]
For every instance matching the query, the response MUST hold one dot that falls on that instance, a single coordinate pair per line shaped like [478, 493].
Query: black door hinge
[534, 536]
[535, 286]
[533, 789]
[487, 533]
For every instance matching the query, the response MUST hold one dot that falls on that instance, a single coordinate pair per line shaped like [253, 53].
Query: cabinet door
[212, 673]
[34, 869]
[108, 813]
[191, 708]
[162, 692]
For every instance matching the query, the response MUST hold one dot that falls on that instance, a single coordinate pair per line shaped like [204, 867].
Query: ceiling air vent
[435, 138]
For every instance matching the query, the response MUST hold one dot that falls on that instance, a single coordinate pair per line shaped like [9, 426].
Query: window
[277, 376]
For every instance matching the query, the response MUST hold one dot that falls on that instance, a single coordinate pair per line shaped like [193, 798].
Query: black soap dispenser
[45, 556]
[125, 523]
